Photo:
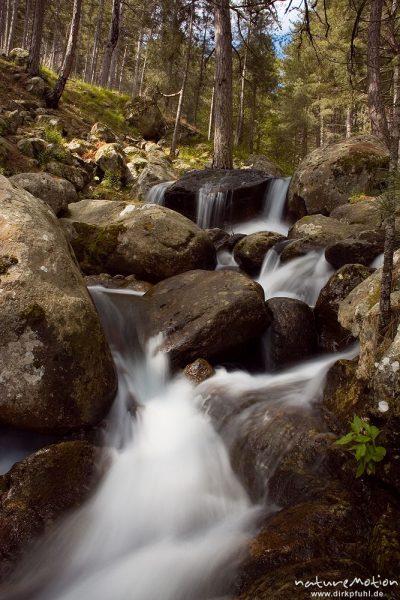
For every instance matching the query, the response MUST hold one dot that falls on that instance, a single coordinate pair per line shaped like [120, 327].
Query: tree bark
[239, 129]
[53, 99]
[96, 42]
[12, 27]
[387, 274]
[223, 86]
[201, 73]
[112, 42]
[175, 135]
[26, 32]
[36, 41]
[376, 105]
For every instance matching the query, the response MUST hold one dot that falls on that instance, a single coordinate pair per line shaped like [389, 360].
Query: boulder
[292, 335]
[151, 242]
[144, 115]
[215, 197]
[101, 132]
[56, 369]
[36, 86]
[12, 120]
[319, 230]
[19, 56]
[328, 176]
[78, 146]
[39, 490]
[32, 147]
[78, 176]
[332, 336]
[158, 170]
[118, 281]
[364, 215]
[250, 251]
[205, 314]
[111, 161]
[354, 251]
[259, 162]
[56, 192]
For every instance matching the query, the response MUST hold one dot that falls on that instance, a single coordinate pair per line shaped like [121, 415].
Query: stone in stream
[250, 252]
[293, 336]
[206, 314]
[352, 251]
[148, 241]
[214, 197]
[55, 191]
[332, 336]
[39, 490]
[328, 176]
[56, 371]
[199, 370]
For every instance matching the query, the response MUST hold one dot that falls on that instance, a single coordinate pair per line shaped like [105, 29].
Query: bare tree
[112, 42]
[12, 26]
[36, 40]
[53, 98]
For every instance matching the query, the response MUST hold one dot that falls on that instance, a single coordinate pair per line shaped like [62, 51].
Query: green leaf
[379, 454]
[360, 469]
[356, 424]
[374, 432]
[362, 438]
[345, 439]
[360, 452]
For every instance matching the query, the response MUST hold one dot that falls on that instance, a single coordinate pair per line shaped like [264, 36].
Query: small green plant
[361, 439]
[112, 182]
[53, 135]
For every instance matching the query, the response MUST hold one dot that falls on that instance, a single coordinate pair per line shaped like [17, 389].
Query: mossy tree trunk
[53, 98]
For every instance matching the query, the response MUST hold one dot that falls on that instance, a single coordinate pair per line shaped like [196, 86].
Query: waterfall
[211, 207]
[272, 218]
[156, 194]
[301, 278]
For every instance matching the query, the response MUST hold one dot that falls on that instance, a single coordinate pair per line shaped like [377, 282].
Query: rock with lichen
[56, 371]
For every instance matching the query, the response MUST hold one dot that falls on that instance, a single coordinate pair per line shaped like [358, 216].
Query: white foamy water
[301, 278]
[156, 194]
[211, 207]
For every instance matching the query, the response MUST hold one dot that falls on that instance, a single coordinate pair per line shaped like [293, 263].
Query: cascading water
[301, 278]
[156, 194]
[211, 207]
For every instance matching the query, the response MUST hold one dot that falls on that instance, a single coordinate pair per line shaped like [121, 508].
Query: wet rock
[199, 370]
[241, 194]
[206, 314]
[259, 162]
[101, 132]
[56, 192]
[118, 282]
[111, 161]
[144, 114]
[353, 251]
[328, 176]
[39, 490]
[56, 369]
[148, 241]
[332, 336]
[250, 252]
[219, 237]
[293, 336]
[157, 170]
[319, 230]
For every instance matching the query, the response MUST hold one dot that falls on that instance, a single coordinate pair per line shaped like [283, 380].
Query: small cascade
[272, 218]
[301, 278]
[156, 194]
[211, 207]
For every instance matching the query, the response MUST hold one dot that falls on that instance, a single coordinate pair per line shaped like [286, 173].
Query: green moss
[94, 244]
[33, 314]
[360, 160]
[6, 262]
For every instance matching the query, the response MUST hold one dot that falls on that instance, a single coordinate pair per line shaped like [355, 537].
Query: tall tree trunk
[36, 40]
[96, 42]
[211, 117]
[223, 86]
[12, 27]
[201, 73]
[3, 25]
[112, 42]
[175, 135]
[253, 116]
[136, 70]
[239, 129]
[387, 273]
[27, 21]
[376, 105]
[349, 122]
[144, 66]
[53, 99]
[121, 74]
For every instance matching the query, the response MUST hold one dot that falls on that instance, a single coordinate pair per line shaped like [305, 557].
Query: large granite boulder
[328, 176]
[204, 314]
[56, 369]
[151, 242]
[214, 197]
[39, 490]
[54, 191]
[144, 115]
[260, 162]
[332, 336]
